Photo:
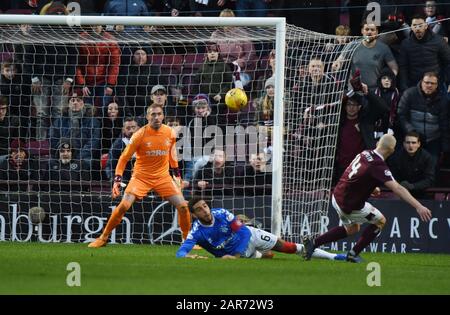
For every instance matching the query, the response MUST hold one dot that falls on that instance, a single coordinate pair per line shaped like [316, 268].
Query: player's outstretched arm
[186, 247]
[402, 192]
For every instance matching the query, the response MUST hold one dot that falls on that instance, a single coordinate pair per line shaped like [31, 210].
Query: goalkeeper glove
[116, 186]
[176, 175]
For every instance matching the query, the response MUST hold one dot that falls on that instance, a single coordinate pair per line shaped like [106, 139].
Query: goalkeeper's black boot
[352, 257]
[308, 242]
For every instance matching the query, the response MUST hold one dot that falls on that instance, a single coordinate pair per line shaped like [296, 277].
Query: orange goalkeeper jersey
[155, 150]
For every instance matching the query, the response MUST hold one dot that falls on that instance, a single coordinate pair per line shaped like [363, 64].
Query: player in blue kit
[220, 233]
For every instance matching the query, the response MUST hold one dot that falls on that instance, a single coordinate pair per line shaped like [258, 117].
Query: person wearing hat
[202, 119]
[64, 168]
[264, 105]
[159, 95]
[81, 129]
[17, 168]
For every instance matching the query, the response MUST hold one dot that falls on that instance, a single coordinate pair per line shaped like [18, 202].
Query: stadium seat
[39, 148]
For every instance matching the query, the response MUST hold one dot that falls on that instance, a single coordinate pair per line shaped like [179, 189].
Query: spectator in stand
[341, 32]
[268, 72]
[65, 168]
[17, 167]
[111, 128]
[52, 71]
[413, 167]
[214, 77]
[423, 51]
[240, 53]
[334, 50]
[130, 126]
[98, 65]
[136, 82]
[387, 90]
[361, 110]
[159, 96]
[424, 109]
[370, 58]
[216, 177]
[255, 177]
[81, 128]
[194, 148]
[251, 8]
[264, 105]
[393, 31]
[13, 84]
[433, 19]
[9, 126]
[313, 89]
[126, 8]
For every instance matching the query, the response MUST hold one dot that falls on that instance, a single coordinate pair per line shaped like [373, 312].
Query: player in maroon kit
[361, 180]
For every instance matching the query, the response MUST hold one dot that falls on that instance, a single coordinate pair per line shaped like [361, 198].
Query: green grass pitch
[37, 268]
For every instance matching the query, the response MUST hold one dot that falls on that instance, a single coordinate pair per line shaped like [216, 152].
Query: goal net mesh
[72, 96]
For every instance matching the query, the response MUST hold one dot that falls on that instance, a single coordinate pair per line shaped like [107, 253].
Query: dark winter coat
[417, 57]
[426, 116]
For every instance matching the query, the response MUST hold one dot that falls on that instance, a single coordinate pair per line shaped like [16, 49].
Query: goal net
[71, 96]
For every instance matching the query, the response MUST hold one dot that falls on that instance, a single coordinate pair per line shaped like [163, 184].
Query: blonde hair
[387, 142]
[227, 13]
[154, 106]
[266, 108]
[343, 30]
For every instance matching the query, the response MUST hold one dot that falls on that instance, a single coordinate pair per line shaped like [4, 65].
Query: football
[36, 215]
[236, 99]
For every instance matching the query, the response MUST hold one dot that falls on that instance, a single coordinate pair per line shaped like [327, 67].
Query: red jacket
[98, 63]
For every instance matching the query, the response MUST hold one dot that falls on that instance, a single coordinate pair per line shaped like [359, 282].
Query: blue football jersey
[218, 238]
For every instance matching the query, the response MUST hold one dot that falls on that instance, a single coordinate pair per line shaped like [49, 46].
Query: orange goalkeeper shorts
[164, 187]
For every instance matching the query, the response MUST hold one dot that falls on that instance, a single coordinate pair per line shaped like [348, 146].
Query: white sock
[320, 253]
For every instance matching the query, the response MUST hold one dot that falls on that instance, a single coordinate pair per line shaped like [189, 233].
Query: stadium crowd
[68, 111]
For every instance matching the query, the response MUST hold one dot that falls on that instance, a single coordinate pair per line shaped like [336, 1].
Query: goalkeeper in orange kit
[154, 146]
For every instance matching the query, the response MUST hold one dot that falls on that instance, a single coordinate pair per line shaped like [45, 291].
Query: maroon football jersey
[366, 172]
